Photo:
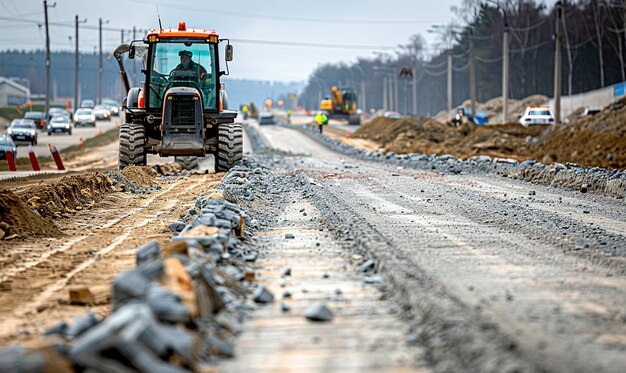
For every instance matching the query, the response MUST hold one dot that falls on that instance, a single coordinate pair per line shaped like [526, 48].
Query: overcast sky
[371, 23]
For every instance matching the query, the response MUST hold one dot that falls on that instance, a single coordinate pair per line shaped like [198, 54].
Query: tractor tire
[187, 163]
[229, 146]
[132, 140]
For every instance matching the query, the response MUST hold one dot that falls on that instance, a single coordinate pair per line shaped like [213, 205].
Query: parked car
[266, 118]
[89, 104]
[114, 106]
[7, 146]
[60, 123]
[84, 117]
[23, 130]
[37, 117]
[101, 112]
[392, 114]
[537, 115]
[590, 111]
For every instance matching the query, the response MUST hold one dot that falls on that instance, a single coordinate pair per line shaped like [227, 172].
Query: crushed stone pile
[179, 309]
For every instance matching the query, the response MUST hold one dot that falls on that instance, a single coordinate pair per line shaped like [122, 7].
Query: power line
[284, 18]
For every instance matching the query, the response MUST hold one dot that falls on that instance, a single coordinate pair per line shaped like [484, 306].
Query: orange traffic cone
[116, 125]
[100, 132]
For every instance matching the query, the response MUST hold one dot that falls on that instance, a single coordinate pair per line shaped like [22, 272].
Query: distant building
[12, 93]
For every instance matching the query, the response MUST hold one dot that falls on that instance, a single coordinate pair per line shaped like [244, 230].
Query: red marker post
[11, 161]
[57, 157]
[33, 159]
[82, 144]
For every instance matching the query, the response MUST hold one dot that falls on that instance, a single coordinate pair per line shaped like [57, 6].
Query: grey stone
[216, 346]
[532, 193]
[262, 295]
[177, 226]
[17, 359]
[584, 188]
[129, 285]
[287, 271]
[368, 266]
[374, 279]
[318, 312]
[81, 324]
[166, 305]
[147, 253]
[60, 328]
[284, 307]
[289, 236]
[286, 294]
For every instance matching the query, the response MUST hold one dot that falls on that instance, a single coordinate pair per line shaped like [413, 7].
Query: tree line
[593, 55]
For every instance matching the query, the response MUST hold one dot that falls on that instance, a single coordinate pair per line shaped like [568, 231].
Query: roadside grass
[46, 162]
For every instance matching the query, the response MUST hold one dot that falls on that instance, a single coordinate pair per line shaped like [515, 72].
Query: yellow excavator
[342, 105]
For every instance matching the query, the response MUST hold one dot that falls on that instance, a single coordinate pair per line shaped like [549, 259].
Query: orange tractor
[179, 109]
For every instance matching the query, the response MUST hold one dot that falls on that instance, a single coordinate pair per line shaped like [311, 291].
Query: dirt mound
[493, 107]
[167, 169]
[17, 218]
[140, 175]
[427, 136]
[599, 140]
[71, 193]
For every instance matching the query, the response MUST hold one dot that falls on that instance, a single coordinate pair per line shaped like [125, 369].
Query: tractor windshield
[182, 63]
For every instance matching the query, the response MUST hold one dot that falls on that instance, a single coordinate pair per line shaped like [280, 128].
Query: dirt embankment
[17, 219]
[594, 141]
[427, 136]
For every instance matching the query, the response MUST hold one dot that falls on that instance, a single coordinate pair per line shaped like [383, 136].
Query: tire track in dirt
[33, 292]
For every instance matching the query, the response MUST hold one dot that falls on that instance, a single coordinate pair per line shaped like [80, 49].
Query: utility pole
[472, 77]
[449, 81]
[47, 106]
[414, 88]
[100, 23]
[363, 101]
[505, 69]
[385, 99]
[557, 65]
[395, 91]
[76, 62]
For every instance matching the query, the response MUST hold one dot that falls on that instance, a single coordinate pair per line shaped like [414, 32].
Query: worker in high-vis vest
[321, 119]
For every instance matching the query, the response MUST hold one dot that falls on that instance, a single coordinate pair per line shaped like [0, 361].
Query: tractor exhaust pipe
[117, 53]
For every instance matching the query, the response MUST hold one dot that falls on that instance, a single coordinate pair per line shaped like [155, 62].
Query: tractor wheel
[132, 140]
[229, 146]
[187, 163]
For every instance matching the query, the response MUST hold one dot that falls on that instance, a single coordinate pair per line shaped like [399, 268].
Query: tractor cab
[179, 109]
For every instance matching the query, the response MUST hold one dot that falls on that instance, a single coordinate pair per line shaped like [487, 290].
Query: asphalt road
[63, 140]
[496, 274]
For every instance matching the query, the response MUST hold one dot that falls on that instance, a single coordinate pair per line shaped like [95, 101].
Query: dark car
[37, 117]
[7, 146]
[55, 111]
[60, 123]
[23, 130]
[266, 118]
